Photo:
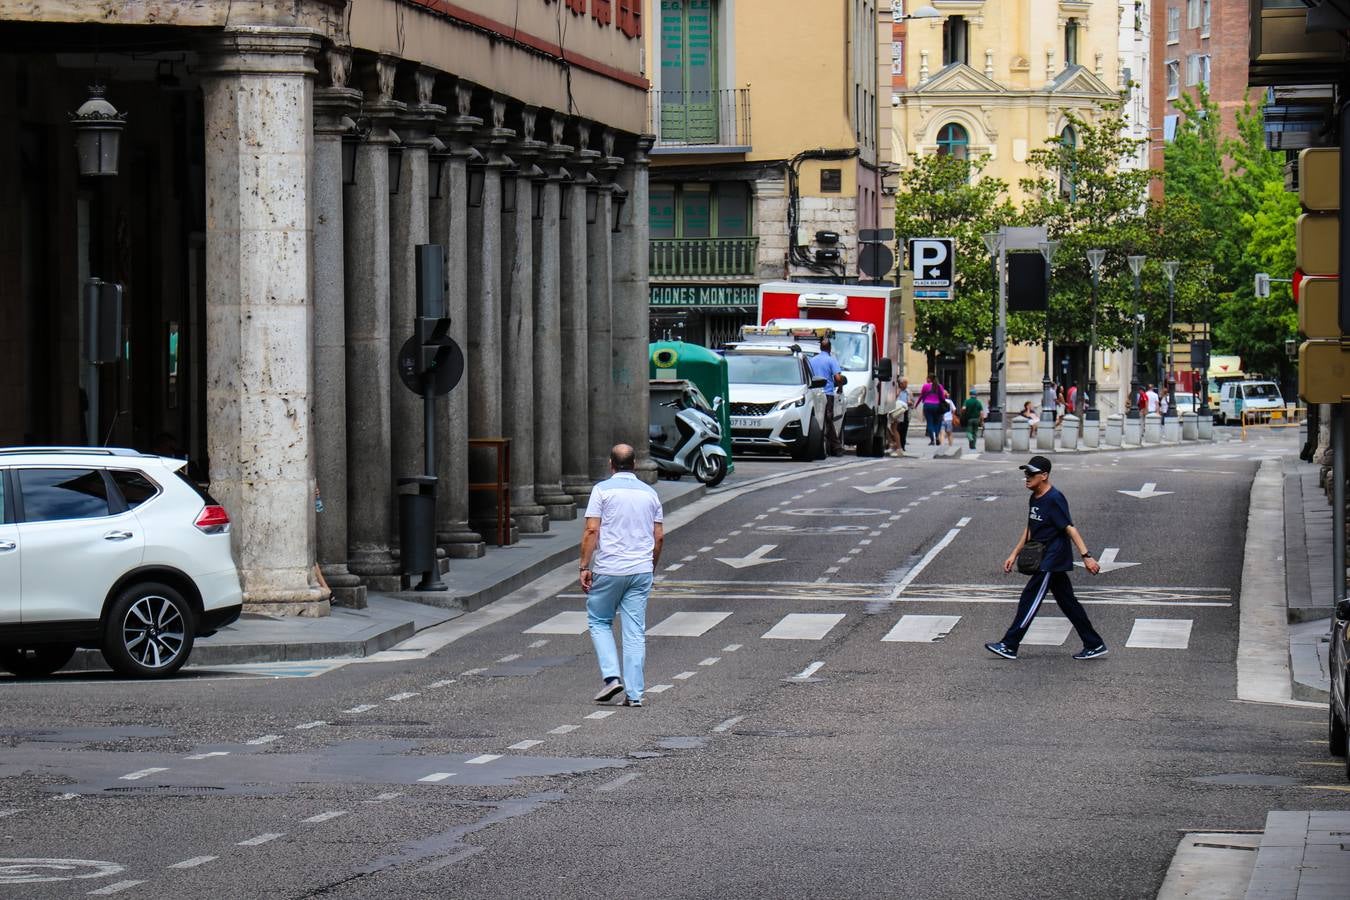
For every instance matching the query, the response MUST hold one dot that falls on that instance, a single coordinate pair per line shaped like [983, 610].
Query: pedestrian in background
[948, 418]
[1151, 400]
[931, 397]
[824, 365]
[972, 416]
[619, 552]
[1043, 553]
[898, 420]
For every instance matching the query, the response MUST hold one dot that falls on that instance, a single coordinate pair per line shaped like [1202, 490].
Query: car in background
[108, 549]
[1237, 397]
[776, 403]
[1339, 712]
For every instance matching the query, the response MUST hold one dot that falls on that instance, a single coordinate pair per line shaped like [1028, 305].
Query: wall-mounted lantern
[98, 134]
[437, 157]
[395, 163]
[620, 197]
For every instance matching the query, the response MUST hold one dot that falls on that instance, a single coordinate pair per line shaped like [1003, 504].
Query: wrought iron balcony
[700, 121]
[703, 257]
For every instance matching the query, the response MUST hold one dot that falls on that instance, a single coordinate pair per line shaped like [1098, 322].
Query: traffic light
[1324, 358]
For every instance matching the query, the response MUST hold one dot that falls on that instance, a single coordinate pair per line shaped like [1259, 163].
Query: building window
[1071, 43]
[1173, 24]
[630, 17]
[697, 210]
[1068, 146]
[1204, 70]
[689, 71]
[955, 48]
[1192, 13]
[1173, 79]
[1204, 18]
[953, 141]
[897, 57]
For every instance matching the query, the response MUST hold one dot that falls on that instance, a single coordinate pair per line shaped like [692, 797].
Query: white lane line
[467, 672]
[446, 682]
[733, 533]
[524, 745]
[65, 796]
[761, 517]
[194, 862]
[364, 707]
[875, 534]
[674, 567]
[798, 496]
[406, 695]
[947, 487]
[710, 661]
[690, 558]
[965, 481]
[963, 522]
[704, 549]
[618, 782]
[684, 676]
[809, 491]
[116, 888]
[832, 570]
[564, 729]
[896, 517]
[317, 723]
[138, 775]
[261, 839]
[864, 543]
[265, 739]
[391, 795]
[323, 817]
[923, 563]
[659, 688]
[208, 755]
[437, 776]
[824, 579]
[720, 541]
[535, 645]
[803, 626]
[687, 624]
[732, 648]
[748, 525]
[601, 714]
[510, 657]
[912, 629]
[570, 622]
[990, 499]
[809, 671]
[1160, 634]
[1047, 631]
[728, 724]
[845, 560]
[885, 525]
[856, 550]
[483, 760]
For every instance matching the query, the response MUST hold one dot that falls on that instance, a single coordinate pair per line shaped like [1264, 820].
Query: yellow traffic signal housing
[1318, 236]
[1319, 309]
[1323, 372]
[1319, 179]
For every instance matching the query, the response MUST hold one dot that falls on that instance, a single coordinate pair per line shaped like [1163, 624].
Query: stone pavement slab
[1310, 660]
[1303, 856]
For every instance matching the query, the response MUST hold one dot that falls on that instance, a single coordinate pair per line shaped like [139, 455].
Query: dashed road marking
[673, 567]
[261, 839]
[601, 714]
[704, 549]
[710, 661]
[437, 776]
[564, 729]
[468, 672]
[659, 688]
[732, 648]
[804, 626]
[524, 745]
[324, 817]
[483, 760]
[844, 560]
[265, 739]
[720, 541]
[65, 796]
[963, 522]
[194, 862]
[570, 622]
[684, 676]
[728, 724]
[535, 645]
[197, 756]
[116, 888]
[389, 795]
[446, 682]
[364, 707]
[317, 723]
[138, 775]
[510, 657]
[832, 570]
[691, 557]
[809, 671]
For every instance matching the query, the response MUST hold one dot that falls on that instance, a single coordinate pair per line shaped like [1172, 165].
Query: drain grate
[164, 789]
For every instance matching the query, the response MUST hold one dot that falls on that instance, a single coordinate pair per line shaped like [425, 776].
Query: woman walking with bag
[1043, 553]
[931, 395]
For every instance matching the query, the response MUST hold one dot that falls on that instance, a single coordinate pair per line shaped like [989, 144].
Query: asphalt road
[831, 727]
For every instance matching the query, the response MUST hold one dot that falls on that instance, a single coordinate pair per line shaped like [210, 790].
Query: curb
[1263, 670]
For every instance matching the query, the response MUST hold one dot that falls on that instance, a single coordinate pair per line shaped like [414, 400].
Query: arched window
[1071, 43]
[1068, 146]
[953, 141]
[955, 46]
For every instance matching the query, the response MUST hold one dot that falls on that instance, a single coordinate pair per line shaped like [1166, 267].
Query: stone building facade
[278, 167]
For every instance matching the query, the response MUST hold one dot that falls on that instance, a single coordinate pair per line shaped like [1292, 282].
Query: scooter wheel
[710, 470]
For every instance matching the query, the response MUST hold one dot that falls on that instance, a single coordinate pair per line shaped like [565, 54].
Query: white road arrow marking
[885, 484]
[756, 557]
[1108, 560]
[1150, 489]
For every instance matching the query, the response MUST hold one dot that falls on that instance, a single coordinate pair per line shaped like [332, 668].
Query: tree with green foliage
[942, 196]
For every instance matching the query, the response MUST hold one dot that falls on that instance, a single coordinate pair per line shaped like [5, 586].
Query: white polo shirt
[627, 510]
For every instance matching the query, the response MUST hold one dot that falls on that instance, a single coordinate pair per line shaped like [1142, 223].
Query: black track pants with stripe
[1056, 583]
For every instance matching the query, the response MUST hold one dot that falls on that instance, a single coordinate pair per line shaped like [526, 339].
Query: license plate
[744, 422]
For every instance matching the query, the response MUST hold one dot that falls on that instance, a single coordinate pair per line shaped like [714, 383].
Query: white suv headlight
[791, 404]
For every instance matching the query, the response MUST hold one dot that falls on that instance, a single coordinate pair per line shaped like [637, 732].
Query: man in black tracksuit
[1048, 522]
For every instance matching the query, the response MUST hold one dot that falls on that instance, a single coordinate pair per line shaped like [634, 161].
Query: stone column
[518, 359]
[450, 228]
[632, 332]
[258, 92]
[333, 107]
[575, 369]
[599, 328]
[370, 488]
[408, 226]
[485, 318]
[549, 376]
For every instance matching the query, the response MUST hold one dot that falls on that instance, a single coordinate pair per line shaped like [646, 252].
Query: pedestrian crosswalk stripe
[914, 629]
[1047, 631]
[803, 626]
[687, 624]
[1160, 634]
[571, 622]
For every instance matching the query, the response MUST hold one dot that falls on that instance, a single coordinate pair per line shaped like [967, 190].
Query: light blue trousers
[626, 595]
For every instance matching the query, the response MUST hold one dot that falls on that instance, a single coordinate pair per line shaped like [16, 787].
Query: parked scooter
[687, 438]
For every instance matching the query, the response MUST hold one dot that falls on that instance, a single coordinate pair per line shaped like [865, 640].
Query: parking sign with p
[933, 262]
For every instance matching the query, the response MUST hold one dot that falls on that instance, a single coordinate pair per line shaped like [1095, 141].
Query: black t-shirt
[1047, 517]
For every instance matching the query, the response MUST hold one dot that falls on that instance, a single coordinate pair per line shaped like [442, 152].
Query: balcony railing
[703, 257]
[699, 119]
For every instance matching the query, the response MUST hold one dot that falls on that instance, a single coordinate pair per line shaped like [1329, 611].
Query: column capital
[642, 148]
[333, 105]
[417, 124]
[261, 50]
[458, 131]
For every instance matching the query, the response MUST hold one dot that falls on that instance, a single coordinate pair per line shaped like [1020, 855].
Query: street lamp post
[1132, 408]
[993, 242]
[1170, 268]
[1048, 249]
[1095, 258]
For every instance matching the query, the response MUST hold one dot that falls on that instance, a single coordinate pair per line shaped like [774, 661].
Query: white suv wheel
[149, 631]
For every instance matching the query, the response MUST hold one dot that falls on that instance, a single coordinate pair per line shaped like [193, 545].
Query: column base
[646, 471]
[348, 591]
[530, 518]
[461, 542]
[377, 569]
[487, 531]
[555, 502]
[311, 603]
[579, 488]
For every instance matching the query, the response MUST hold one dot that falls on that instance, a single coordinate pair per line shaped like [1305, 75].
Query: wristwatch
[1087, 556]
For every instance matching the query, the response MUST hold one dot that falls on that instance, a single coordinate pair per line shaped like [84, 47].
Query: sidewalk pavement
[1308, 577]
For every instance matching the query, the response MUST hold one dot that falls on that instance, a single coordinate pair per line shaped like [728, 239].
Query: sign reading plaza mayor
[933, 262]
[704, 295]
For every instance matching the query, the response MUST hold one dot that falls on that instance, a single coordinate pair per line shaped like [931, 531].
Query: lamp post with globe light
[1132, 408]
[1095, 257]
[1048, 249]
[1170, 269]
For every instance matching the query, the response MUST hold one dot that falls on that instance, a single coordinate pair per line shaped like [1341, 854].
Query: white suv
[776, 403]
[109, 549]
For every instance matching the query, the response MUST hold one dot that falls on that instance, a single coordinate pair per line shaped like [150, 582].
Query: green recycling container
[706, 369]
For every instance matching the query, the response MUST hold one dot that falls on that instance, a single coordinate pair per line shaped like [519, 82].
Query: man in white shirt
[619, 552]
[1151, 396]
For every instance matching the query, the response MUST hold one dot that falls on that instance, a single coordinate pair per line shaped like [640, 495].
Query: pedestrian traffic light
[1324, 358]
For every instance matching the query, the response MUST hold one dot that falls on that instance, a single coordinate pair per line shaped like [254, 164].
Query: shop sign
[704, 295]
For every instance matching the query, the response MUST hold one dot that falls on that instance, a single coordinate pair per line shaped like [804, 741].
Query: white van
[1254, 395]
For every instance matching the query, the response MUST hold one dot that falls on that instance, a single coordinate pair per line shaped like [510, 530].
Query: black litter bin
[417, 530]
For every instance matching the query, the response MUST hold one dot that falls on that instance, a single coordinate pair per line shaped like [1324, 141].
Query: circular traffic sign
[449, 368]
